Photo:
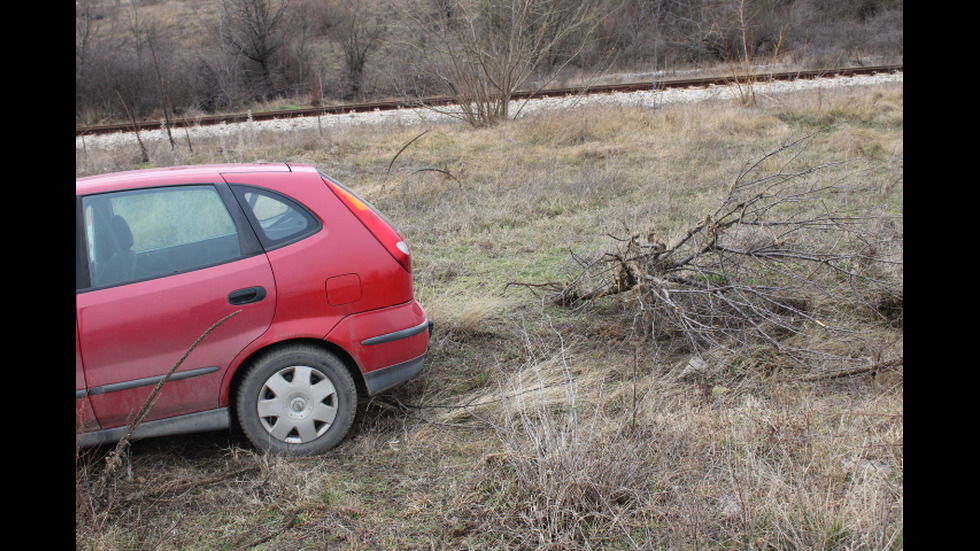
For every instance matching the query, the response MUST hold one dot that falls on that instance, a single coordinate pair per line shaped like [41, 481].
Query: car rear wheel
[297, 401]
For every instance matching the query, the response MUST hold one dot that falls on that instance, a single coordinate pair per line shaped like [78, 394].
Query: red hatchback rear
[318, 285]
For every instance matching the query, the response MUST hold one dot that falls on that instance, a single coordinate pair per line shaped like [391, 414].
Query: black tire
[298, 400]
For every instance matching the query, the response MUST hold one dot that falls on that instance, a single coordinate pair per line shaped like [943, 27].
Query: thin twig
[404, 147]
[439, 170]
[873, 368]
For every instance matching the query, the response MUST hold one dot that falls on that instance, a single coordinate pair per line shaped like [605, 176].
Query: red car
[318, 285]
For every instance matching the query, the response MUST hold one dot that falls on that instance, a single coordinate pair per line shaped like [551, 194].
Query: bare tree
[481, 52]
[91, 46]
[357, 30]
[88, 25]
[124, 62]
[253, 30]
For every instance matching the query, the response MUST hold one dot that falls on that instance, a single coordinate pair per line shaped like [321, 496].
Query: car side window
[144, 234]
[278, 220]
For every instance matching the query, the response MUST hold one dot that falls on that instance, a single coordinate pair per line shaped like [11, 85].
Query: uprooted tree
[785, 261]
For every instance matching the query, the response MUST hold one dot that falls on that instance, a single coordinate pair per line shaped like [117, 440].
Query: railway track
[433, 101]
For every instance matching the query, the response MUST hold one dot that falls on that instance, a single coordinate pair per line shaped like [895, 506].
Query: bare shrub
[553, 480]
[568, 487]
[481, 53]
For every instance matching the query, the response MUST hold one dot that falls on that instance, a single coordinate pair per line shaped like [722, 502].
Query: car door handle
[246, 296]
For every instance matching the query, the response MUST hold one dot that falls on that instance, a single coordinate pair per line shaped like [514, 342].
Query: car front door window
[144, 234]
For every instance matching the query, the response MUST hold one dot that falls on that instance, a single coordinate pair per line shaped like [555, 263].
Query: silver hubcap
[297, 404]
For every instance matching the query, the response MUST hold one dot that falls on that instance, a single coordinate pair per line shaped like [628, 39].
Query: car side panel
[133, 333]
[343, 247]
[341, 256]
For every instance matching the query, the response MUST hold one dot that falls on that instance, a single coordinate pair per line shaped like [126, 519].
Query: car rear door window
[144, 234]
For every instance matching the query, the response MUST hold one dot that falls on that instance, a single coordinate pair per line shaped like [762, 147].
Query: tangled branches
[786, 252]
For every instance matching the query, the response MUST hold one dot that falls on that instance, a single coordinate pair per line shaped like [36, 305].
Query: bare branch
[784, 254]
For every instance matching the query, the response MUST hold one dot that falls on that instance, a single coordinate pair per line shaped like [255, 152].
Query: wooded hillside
[147, 59]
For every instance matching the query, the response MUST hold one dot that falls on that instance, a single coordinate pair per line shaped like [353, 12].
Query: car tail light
[393, 240]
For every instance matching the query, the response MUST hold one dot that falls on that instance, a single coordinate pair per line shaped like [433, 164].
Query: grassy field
[539, 426]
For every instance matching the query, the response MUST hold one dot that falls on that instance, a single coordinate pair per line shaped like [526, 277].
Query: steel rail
[653, 85]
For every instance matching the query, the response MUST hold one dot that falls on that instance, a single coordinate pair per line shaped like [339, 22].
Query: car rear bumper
[382, 379]
[389, 345]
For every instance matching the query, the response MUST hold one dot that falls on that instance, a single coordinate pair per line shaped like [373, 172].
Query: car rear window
[277, 219]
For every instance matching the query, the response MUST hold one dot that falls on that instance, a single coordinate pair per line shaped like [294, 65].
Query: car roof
[191, 174]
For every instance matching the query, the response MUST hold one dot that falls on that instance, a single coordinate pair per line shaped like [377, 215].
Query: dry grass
[535, 427]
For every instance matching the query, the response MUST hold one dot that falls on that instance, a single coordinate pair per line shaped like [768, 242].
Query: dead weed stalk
[95, 498]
